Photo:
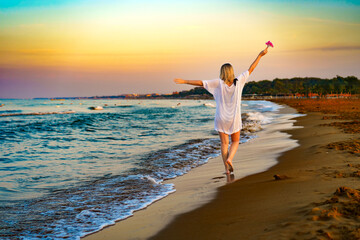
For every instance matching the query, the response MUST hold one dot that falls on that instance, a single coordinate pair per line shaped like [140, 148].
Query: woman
[227, 93]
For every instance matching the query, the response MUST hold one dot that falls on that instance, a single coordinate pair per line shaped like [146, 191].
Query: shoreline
[200, 185]
[315, 200]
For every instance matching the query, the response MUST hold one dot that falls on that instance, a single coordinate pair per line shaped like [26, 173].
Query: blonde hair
[227, 73]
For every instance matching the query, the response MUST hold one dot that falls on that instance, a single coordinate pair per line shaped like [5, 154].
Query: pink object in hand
[269, 44]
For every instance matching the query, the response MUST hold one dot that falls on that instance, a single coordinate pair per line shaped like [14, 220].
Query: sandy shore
[308, 203]
[316, 200]
[200, 185]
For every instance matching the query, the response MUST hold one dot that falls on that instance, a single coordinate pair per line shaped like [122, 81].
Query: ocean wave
[264, 106]
[34, 113]
[119, 106]
[10, 111]
[98, 202]
[257, 116]
[253, 121]
[209, 105]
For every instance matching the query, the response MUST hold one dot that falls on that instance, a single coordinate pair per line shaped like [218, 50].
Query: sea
[70, 167]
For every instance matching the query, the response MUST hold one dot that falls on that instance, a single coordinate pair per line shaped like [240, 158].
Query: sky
[63, 48]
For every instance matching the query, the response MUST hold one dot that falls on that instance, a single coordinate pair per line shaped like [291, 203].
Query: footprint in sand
[218, 177]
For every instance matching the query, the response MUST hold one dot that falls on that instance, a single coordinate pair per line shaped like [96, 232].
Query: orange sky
[86, 48]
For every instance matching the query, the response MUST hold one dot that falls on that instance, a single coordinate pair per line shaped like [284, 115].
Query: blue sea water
[74, 170]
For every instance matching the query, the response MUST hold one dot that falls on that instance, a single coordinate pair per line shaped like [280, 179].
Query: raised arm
[190, 82]
[255, 63]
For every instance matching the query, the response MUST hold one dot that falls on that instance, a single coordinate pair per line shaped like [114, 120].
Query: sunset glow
[85, 48]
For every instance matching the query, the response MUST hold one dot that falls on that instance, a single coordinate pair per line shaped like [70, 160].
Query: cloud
[40, 52]
[55, 52]
[334, 48]
[329, 21]
[327, 48]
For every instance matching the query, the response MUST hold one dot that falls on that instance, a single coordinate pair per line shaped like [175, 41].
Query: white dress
[228, 103]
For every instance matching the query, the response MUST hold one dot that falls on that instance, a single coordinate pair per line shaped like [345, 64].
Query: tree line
[285, 86]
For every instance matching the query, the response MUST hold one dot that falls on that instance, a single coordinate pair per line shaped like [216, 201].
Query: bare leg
[235, 137]
[224, 138]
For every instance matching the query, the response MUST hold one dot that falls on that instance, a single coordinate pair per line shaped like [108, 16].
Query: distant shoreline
[251, 97]
[265, 89]
[210, 97]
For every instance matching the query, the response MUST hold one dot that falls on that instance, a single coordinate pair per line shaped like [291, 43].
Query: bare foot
[231, 167]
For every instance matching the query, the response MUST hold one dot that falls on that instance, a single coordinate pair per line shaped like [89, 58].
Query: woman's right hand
[179, 81]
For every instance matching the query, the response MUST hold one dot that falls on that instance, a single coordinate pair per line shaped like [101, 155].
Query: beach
[83, 171]
[110, 113]
[314, 196]
[201, 184]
